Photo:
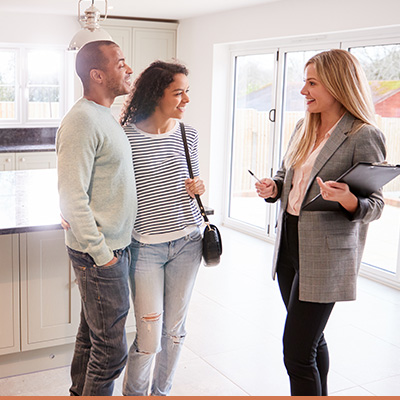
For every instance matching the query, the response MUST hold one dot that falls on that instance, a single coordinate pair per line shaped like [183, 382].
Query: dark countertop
[27, 148]
[15, 140]
[28, 201]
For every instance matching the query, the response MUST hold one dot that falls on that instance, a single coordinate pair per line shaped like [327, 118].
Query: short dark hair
[89, 57]
[148, 89]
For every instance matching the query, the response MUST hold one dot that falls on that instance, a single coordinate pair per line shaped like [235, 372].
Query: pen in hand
[254, 176]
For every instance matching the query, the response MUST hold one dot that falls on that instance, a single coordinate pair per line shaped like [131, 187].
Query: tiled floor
[235, 326]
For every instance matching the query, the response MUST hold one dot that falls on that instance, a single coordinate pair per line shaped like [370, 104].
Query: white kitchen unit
[42, 300]
[7, 161]
[150, 45]
[39, 303]
[35, 160]
[142, 42]
[39, 298]
[9, 294]
[27, 160]
[50, 301]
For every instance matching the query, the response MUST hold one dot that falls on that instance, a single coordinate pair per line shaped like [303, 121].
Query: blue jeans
[100, 349]
[162, 284]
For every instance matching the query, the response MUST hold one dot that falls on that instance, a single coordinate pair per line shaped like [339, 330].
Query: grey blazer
[331, 243]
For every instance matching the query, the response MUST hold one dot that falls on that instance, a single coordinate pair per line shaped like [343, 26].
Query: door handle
[272, 112]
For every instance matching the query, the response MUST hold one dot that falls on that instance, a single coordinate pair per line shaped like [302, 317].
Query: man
[98, 199]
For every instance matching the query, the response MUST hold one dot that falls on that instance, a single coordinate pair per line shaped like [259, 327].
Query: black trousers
[305, 350]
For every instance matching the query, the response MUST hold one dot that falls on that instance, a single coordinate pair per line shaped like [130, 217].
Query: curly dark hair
[148, 89]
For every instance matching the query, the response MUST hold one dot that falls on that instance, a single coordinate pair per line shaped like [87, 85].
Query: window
[44, 84]
[261, 130]
[8, 84]
[266, 106]
[31, 86]
[253, 100]
[293, 101]
[380, 65]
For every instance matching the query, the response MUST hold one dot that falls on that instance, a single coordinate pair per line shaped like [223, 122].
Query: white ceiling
[164, 9]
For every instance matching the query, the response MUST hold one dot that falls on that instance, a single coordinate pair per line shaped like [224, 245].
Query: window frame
[227, 220]
[22, 101]
[16, 51]
[269, 232]
[345, 40]
[391, 279]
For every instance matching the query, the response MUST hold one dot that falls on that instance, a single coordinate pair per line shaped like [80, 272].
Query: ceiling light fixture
[91, 30]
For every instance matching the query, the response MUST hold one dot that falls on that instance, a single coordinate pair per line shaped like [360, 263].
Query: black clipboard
[363, 179]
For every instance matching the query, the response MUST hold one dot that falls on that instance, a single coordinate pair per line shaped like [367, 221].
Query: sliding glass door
[293, 101]
[266, 106]
[381, 65]
[252, 139]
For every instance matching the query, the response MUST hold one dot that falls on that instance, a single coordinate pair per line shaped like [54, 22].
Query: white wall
[37, 28]
[197, 38]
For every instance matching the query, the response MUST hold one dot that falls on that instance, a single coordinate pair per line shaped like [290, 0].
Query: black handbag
[212, 242]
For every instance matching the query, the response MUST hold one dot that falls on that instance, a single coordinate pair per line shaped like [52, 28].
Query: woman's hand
[65, 225]
[266, 188]
[340, 192]
[194, 186]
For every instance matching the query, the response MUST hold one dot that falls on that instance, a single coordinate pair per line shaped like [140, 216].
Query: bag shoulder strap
[189, 164]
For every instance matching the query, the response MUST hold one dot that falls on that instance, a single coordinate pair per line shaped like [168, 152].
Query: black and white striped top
[165, 210]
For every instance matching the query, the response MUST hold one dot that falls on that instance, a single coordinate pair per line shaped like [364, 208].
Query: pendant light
[91, 30]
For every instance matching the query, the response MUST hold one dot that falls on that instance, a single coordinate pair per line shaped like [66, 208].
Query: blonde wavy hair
[341, 74]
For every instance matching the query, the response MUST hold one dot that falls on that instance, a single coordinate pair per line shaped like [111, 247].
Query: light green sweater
[96, 181]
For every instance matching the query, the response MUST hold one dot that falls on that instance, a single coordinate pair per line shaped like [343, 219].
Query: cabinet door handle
[8, 159]
[22, 160]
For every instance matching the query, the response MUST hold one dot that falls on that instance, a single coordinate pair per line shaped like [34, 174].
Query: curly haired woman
[166, 246]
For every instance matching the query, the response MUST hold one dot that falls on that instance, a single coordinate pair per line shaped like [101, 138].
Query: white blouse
[301, 176]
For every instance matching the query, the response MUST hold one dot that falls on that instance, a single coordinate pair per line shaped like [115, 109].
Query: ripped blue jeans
[162, 280]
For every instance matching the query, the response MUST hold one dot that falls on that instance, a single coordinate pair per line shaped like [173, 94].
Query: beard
[118, 87]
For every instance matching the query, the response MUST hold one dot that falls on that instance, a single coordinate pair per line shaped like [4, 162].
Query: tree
[380, 63]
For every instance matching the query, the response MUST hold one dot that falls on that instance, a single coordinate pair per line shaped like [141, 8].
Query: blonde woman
[318, 253]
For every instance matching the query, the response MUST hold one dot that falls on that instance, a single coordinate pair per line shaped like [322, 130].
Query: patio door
[380, 63]
[252, 137]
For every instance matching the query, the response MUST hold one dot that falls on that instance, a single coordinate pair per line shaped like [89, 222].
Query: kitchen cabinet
[39, 301]
[39, 298]
[49, 305]
[151, 45]
[50, 301]
[142, 42]
[7, 161]
[35, 160]
[27, 160]
[9, 294]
